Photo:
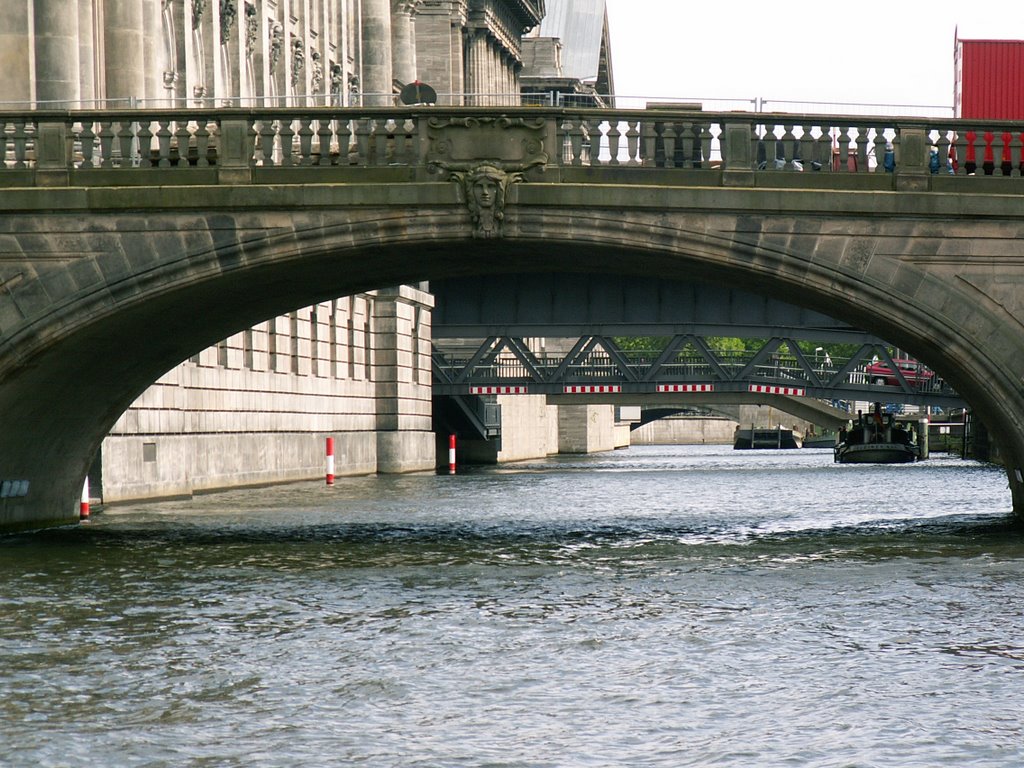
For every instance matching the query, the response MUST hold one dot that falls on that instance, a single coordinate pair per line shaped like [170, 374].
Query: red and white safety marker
[502, 390]
[451, 454]
[686, 387]
[591, 389]
[83, 506]
[769, 389]
[330, 461]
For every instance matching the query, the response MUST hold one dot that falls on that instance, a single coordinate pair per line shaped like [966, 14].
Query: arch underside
[131, 296]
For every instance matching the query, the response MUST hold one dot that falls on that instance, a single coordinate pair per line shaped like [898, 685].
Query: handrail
[238, 138]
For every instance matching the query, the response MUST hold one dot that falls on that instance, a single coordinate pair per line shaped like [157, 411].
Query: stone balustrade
[51, 148]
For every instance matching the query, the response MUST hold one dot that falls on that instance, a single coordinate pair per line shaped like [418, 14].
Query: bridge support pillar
[401, 371]
[586, 428]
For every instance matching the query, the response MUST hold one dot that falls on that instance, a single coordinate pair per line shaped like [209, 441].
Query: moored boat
[769, 437]
[877, 440]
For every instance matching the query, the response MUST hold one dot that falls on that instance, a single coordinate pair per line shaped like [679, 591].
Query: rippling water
[661, 606]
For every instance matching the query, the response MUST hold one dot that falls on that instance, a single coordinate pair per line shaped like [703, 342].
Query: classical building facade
[81, 53]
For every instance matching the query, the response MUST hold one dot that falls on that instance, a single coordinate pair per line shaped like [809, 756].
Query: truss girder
[778, 366]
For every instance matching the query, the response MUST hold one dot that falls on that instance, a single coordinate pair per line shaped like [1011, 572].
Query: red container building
[988, 79]
[988, 84]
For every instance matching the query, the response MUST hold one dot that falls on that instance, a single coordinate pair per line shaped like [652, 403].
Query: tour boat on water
[875, 439]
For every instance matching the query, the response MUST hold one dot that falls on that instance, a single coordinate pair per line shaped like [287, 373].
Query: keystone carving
[486, 155]
[485, 187]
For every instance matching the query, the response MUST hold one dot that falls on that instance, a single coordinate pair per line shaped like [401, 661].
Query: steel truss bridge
[687, 363]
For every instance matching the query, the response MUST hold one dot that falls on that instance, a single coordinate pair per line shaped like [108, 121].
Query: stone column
[376, 80]
[124, 54]
[56, 54]
[86, 55]
[403, 50]
[154, 40]
[434, 51]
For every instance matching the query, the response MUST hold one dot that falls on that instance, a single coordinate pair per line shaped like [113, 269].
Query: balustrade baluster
[125, 139]
[1016, 158]
[363, 129]
[593, 141]
[323, 142]
[997, 155]
[87, 144]
[668, 143]
[942, 143]
[633, 141]
[960, 143]
[843, 145]
[613, 142]
[756, 142]
[576, 141]
[305, 134]
[286, 141]
[145, 138]
[649, 139]
[687, 140]
[163, 140]
[979, 152]
[789, 153]
[823, 148]
[862, 149]
[202, 134]
[410, 148]
[806, 145]
[704, 139]
[879, 145]
[265, 141]
[183, 143]
[106, 137]
[771, 149]
[396, 132]
[343, 130]
[20, 141]
[3, 144]
[382, 138]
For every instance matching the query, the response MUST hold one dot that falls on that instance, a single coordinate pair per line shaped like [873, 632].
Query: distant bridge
[115, 226]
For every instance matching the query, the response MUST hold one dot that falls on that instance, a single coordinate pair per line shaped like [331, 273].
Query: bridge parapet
[237, 145]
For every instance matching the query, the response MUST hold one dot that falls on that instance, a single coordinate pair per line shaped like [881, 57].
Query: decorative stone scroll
[486, 155]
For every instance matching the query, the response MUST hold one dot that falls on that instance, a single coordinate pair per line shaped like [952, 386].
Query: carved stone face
[485, 191]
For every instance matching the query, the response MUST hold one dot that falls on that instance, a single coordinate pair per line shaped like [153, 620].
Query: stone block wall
[256, 408]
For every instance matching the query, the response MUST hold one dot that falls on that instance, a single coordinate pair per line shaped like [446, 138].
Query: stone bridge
[129, 241]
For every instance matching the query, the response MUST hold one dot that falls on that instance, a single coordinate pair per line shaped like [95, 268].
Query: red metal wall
[990, 79]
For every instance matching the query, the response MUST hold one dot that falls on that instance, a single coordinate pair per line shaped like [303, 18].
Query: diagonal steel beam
[489, 343]
[618, 358]
[771, 346]
[524, 355]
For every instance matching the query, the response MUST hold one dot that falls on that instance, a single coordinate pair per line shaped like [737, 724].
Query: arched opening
[69, 373]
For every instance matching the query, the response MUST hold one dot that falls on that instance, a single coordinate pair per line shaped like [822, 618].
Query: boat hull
[876, 453]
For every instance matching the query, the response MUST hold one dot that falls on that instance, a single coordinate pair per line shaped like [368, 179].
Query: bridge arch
[83, 336]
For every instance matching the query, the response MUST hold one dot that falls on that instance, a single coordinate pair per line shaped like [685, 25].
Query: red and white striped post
[330, 461]
[451, 454]
[83, 506]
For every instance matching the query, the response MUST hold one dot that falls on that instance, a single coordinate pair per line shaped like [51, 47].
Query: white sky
[881, 53]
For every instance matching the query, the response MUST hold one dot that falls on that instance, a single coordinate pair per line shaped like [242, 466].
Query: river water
[658, 606]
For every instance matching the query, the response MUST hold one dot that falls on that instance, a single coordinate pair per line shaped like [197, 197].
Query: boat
[827, 440]
[770, 437]
[877, 439]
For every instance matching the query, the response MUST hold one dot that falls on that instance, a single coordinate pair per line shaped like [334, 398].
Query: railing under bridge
[54, 147]
[687, 364]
